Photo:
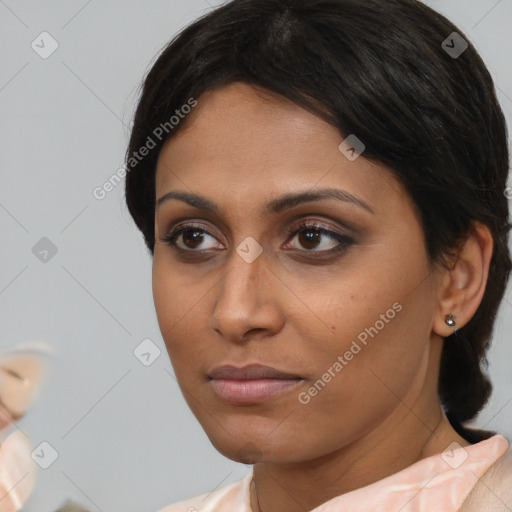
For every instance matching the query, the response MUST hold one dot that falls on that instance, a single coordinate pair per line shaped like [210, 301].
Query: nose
[249, 299]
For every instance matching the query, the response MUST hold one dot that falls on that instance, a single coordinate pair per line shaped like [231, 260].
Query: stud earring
[449, 320]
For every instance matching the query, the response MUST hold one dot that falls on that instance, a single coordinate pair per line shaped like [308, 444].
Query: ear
[462, 287]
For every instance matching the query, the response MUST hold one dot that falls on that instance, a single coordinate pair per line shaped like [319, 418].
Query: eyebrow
[275, 206]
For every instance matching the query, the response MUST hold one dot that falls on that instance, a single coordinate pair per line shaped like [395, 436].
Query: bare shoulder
[493, 492]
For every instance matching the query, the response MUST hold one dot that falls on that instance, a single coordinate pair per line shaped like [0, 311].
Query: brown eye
[190, 238]
[309, 238]
[316, 238]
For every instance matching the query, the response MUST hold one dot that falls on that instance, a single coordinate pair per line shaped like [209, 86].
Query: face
[335, 290]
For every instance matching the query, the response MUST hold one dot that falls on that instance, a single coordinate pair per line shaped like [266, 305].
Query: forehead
[251, 143]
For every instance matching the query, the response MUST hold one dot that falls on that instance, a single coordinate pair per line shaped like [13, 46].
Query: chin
[251, 448]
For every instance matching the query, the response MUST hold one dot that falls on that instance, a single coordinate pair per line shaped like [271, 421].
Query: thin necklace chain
[257, 498]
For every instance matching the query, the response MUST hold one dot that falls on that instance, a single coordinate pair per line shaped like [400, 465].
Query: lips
[252, 384]
[251, 372]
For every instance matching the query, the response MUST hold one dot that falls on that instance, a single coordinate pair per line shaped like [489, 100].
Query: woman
[321, 185]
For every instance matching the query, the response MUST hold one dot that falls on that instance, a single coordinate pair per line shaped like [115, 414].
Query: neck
[403, 439]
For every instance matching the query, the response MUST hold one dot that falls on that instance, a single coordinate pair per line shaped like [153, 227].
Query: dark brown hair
[379, 69]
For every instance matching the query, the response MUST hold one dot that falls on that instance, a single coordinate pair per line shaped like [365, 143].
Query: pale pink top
[439, 483]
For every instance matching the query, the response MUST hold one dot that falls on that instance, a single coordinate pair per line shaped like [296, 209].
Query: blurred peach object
[17, 472]
[17, 382]
[71, 506]
[21, 375]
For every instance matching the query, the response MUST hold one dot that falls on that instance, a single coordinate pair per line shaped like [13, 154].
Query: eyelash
[344, 240]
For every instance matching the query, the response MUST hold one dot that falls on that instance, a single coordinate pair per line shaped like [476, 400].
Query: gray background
[125, 437]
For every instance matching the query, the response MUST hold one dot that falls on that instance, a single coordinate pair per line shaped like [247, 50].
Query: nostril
[257, 329]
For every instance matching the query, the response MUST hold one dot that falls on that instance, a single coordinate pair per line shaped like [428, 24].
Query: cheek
[164, 294]
[180, 304]
[366, 346]
[357, 386]
[173, 302]
[174, 292]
